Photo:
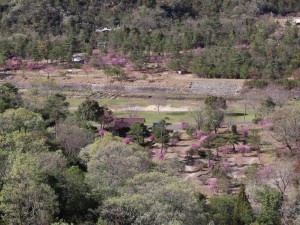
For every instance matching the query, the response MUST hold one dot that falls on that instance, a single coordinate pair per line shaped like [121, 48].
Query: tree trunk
[245, 111]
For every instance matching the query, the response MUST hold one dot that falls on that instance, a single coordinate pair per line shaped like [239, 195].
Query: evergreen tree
[242, 213]
[138, 131]
[271, 201]
[89, 110]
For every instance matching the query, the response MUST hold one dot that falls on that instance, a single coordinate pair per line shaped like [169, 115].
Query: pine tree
[242, 214]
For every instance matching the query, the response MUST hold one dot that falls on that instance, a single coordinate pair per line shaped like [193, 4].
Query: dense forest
[230, 39]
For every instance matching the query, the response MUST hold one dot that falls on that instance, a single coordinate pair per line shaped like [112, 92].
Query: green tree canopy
[21, 119]
[138, 131]
[242, 214]
[271, 201]
[111, 165]
[154, 198]
[56, 108]
[89, 110]
[25, 198]
[9, 97]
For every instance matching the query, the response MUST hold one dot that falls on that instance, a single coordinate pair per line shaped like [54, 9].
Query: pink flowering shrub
[184, 125]
[173, 141]
[242, 148]
[102, 132]
[203, 138]
[211, 133]
[118, 61]
[195, 146]
[227, 149]
[266, 124]
[127, 140]
[160, 155]
[266, 172]
[152, 138]
[245, 133]
[225, 165]
[35, 66]
[197, 133]
[13, 63]
[211, 163]
[213, 184]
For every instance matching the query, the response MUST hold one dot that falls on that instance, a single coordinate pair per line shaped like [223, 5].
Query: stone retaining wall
[218, 88]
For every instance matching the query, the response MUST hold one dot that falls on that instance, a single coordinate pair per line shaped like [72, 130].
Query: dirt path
[166, 108]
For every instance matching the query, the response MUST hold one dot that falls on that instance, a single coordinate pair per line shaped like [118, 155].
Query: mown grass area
[237, 116]
[177, 117]
[234, 115]
[170, 117]
[117, 104]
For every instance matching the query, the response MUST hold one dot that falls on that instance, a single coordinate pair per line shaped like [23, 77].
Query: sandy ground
[198, 175]
[167, 108]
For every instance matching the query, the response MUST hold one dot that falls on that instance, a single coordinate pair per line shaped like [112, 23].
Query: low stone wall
[94, 87]
[213, 87]
[217, 88]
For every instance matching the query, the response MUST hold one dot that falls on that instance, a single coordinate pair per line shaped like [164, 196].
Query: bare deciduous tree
[86, 68]
[286, 126]
[158, 101]
[280, 175]
[72, 137]
[133, 111]
[198, 117]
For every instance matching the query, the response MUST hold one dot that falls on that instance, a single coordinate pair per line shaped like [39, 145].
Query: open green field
[235, 110]
[171, 117]
[116, 104]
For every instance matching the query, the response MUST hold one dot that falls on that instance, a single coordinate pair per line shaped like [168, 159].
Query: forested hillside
[211, 38]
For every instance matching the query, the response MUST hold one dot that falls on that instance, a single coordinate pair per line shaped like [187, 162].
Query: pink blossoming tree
[213, 185]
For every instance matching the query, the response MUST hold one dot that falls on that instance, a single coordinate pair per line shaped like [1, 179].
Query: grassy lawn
[177, 117]
[114, 104]
[236, 113]
[237, 116]
[171, 117]
[123, 103]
